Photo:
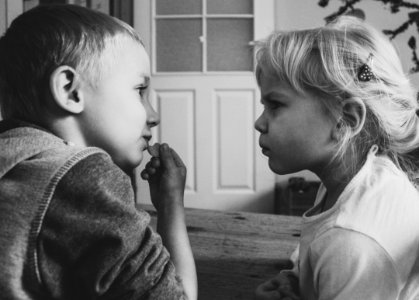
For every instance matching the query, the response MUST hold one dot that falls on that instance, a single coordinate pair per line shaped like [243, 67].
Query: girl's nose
[260, 124]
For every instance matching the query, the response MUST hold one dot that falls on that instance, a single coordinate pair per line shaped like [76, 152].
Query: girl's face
[118, 116]
[295, 130]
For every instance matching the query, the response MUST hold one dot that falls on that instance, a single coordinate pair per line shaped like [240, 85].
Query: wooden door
[204, 89]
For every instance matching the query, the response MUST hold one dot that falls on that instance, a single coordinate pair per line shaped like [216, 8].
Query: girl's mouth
[265, 151]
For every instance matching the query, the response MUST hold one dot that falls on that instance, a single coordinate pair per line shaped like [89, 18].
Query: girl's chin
[280, 169]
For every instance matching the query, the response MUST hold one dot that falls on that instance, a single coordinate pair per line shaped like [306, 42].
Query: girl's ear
[353, 115]
[65, 89]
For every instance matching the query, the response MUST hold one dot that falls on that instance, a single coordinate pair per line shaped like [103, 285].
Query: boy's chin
[129, 165]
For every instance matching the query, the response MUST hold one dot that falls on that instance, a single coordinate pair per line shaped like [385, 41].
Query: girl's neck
[335, 179]
[333, 192]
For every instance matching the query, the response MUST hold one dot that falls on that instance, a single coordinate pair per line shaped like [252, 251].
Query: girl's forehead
[266, 70]
[268, 77]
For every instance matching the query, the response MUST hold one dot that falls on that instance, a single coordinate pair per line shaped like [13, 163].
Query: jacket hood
[21, 142]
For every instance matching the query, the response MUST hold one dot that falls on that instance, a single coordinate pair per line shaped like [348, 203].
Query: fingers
[164, 158]
[144, 175]
[267, 291]
[288, 293]
[268, 285]
[151, 168]
[272, 292]
[167, 157]
[161, 157]
[278, 287]
[154, 150]
[268, 295]
[178, 161]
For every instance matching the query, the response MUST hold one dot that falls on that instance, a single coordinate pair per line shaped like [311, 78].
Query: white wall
[302, 14]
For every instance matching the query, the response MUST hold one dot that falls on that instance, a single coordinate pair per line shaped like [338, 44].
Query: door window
[203, 35]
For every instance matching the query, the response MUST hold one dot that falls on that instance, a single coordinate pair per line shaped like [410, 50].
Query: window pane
[228, 44]
[3, 17]
[122, 10]
[103, 6]
[178, 7]
[230, 7]
[178, 45]
[27, 4]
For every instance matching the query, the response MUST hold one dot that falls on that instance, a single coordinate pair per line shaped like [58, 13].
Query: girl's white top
[367, 245]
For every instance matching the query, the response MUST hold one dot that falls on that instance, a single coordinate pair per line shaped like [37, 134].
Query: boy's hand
[166, 175]
[284, 286]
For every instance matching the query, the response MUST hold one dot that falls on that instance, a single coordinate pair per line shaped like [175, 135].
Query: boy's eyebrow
[146, 79]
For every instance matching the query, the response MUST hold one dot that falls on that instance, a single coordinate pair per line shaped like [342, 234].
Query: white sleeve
[349, 265]
[294, 258]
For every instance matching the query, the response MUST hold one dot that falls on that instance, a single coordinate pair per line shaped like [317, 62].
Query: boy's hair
[44, 38]
[324, 63]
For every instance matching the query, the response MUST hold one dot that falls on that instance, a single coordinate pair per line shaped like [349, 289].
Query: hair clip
[365, 74]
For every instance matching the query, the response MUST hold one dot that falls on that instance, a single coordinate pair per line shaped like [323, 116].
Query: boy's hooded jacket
[69, 228]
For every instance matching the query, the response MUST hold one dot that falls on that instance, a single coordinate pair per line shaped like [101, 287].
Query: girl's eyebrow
[273, 95]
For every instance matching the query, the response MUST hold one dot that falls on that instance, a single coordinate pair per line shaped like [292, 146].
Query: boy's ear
[353, 114]
[65, 89]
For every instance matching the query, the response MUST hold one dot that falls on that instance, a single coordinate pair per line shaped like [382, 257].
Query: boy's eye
[142, 90]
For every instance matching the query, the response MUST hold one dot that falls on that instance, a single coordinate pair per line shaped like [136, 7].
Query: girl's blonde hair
[324, 62]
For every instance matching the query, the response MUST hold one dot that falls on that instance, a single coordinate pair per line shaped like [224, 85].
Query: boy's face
[296, 132]
[117, 116]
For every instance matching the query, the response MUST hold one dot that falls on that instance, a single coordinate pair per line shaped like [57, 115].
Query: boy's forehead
[120, 41]
[124, 50]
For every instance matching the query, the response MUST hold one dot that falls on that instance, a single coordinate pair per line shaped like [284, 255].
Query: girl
[336, 102]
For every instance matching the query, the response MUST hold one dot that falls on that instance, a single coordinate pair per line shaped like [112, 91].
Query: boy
[73, 86]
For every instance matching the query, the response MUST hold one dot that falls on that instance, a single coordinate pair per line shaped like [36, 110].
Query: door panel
[177, 109]
[233, 141]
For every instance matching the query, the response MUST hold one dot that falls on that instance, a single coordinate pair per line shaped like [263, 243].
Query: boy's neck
[67, 129]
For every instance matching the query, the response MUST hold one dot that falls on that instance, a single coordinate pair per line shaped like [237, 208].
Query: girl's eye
[271, 104]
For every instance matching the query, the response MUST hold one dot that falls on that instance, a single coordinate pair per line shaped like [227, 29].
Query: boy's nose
[260, 124]
[153, 118]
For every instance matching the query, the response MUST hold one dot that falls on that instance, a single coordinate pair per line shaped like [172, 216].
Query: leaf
[412, 43]
[323, 3]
